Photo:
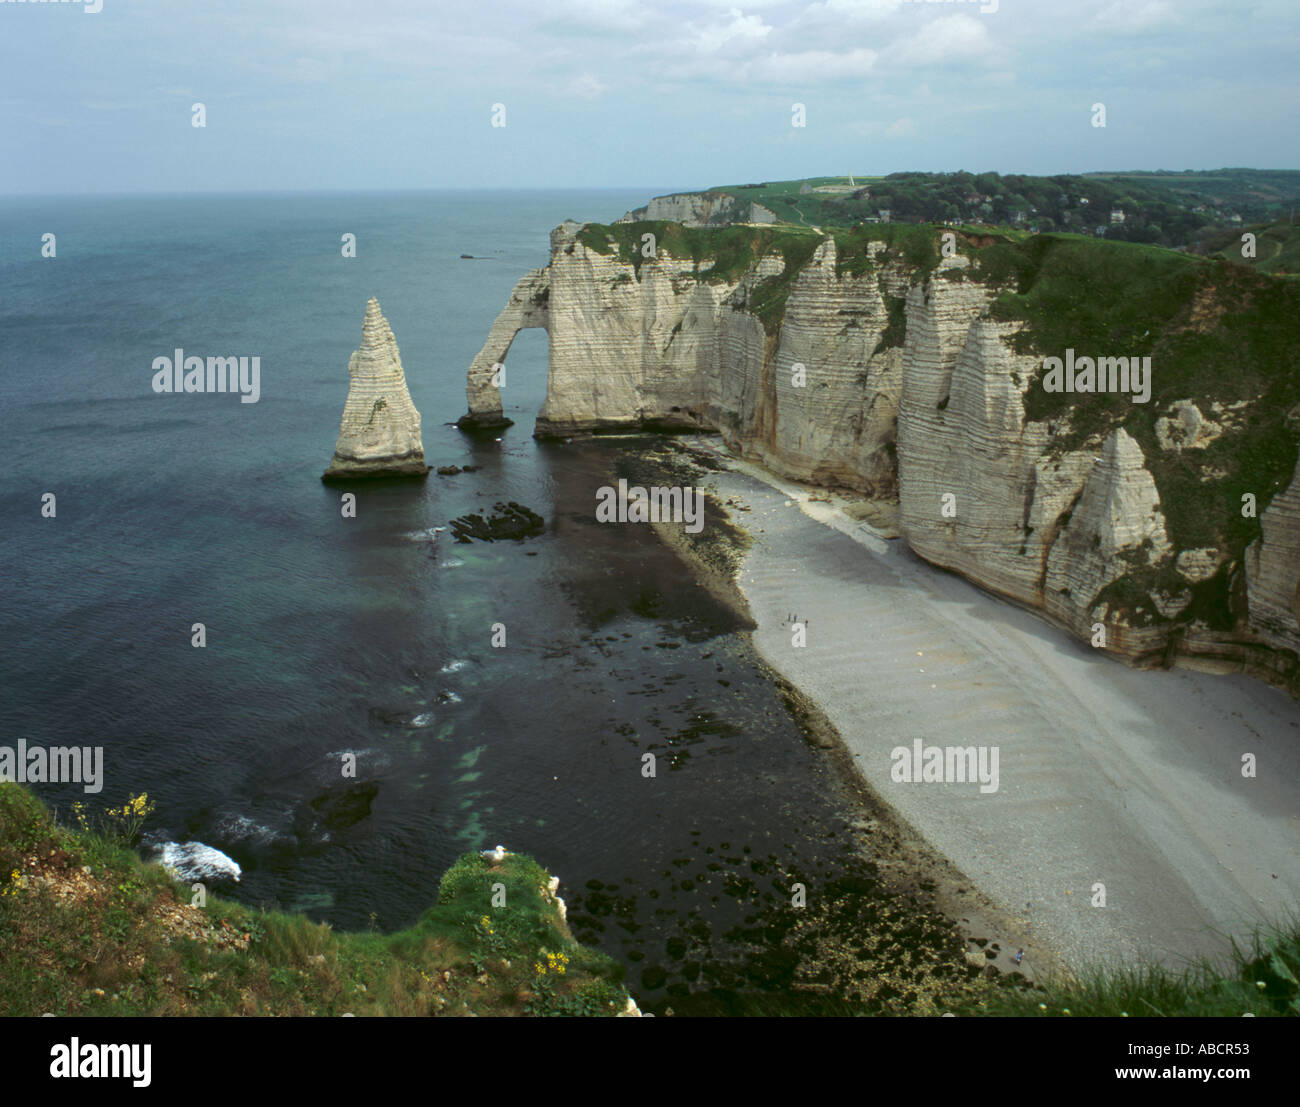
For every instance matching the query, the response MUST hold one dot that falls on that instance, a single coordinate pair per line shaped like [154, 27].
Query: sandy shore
[1107, 775]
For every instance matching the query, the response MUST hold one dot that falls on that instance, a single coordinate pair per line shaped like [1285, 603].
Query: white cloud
[812, 66]
[948, 39]
[1127, 17]
[859, 9]
[598, 16]
[587, 86]
[740, 27]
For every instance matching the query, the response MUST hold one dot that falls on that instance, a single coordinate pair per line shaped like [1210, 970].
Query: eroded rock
[379, 435]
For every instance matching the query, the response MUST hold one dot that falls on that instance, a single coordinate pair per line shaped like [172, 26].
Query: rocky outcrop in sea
[379, 435]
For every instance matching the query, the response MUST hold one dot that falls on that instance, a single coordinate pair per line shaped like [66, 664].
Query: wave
[191, 861]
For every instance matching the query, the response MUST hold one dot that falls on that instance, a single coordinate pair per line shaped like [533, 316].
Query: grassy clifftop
[86, 928]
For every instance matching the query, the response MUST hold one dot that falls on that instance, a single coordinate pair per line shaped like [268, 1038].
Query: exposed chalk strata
[1273, 570]
[980, 490]
[1185, 428]
[627, 349]
[380, 431]
[901, 384]
[1116, 525]
[527, 307]
[833, 422]
[701, 209]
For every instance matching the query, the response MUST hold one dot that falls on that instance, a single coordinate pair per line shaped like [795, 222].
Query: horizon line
[353, 190]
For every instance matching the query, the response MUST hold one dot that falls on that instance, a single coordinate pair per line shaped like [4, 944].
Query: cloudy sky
[342, 94]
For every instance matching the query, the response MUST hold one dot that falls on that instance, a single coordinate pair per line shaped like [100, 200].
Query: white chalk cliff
[527, 307]
[701, 209]
[1273, 569]
[380, 431]
[910, 388]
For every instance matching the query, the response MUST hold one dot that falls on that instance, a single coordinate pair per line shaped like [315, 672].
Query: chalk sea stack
[379, 435]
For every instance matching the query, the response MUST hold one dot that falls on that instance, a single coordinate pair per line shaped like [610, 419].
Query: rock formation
[701, 209]
[905, 384]
[190, 861]
[379, 435]
[527, 307]
[1273, 569]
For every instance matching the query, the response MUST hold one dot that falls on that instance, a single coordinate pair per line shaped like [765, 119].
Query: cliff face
[1273, 569]
[980, 491]
[380, 431]
[864, 366]
[527, 307]
[701, 209]
[628, 348]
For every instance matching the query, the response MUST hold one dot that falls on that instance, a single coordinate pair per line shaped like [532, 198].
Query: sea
[327, 634]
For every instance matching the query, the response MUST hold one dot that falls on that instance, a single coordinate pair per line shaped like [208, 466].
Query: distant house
[1200, 209]
[1100, 232]
[1017, 217]
[805, 189]
[871, 219]
[884, 215]
[1033, 230]
[1117, 215]
[1083, 201]
[973, 197]
[1234, 219]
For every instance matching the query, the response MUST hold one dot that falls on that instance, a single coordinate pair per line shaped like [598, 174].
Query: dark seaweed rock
[449, 470]
[381, 716]
[653, 976]
[510, 520]
[343, 805]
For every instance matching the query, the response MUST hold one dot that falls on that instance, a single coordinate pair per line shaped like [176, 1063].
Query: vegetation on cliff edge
[86, 928]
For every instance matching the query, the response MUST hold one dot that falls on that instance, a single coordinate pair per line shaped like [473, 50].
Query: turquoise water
[327, 635]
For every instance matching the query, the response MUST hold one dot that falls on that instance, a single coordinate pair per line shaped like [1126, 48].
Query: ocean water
[327, 634]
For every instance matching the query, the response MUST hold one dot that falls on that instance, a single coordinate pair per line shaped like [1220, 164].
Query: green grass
[917, 245]
[102, 950]
[719, 254]
[1260, 979]
[1160, 205]
[1214, 332]
[1277, 247]
[124, 939]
